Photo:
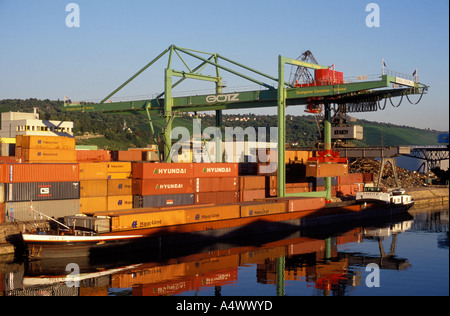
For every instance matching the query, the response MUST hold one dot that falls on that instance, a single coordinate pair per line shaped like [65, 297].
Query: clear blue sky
[40, 57]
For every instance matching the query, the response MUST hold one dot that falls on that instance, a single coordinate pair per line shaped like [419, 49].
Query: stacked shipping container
[162, 184]
[53, 189]
[46, 149]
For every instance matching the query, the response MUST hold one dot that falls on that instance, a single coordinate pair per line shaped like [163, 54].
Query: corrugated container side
[162, 200]
[49, 155]
[258, 209]
[118, 175]
[38, 191]
[47, 142]
[93, 204]
[316, 169]
[123, 202]
[162, 186]
[118, 166]
[93, 170]
[148, 220]
[59, 172]
[2, 213]
[212, 170]
[251, 195]
[351, 178]
[93, 155]
[20, 211]
[2, 192]
[148, 170]
[299, 204]
[271, 186]
[217, 198]
[132, 155]
[216, 184]
[93, 188]
[120, 187]
[252, 183]
[3, 173]
[214, 213]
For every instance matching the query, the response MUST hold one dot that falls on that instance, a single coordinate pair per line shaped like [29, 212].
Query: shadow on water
[307, 255]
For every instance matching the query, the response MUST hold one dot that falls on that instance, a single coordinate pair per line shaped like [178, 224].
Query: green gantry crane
[361, 95]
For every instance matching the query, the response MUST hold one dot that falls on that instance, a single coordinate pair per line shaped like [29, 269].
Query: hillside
[301, 130]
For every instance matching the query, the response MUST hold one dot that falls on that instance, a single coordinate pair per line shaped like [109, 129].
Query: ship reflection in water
[300, 263]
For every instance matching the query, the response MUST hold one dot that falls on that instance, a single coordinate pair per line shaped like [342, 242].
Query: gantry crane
[278, 93]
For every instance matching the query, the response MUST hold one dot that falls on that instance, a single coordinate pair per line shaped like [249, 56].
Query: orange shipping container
[93, 171]
[299, 204]
[122, 202]
[134, 155]
[118, 166]
[217, 198]
[148, 220]
[317, 170]
[258, 209]
[93, 155]
[93, 188]
[120, 187]
[212, 213]
[252, 183]
[48, 172]
[118, 175]
[93, 204]
[49, 155]
[162, 186]
[216, 184]
[212, 170]
[146, 170]
[251, 195]
[47, 142]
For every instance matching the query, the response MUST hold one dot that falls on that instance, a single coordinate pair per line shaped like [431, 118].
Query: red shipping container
[162, 186]
[329, 77]
[217, 198]
[213, 170]
[216, 184]
[49, 172]
[351, 178]
[251, 195]
[147, 170]
[93, 155]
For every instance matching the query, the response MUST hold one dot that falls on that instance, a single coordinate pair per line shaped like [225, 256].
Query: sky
[42, 57]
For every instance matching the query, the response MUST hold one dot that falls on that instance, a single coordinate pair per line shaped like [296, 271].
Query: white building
[18, 123]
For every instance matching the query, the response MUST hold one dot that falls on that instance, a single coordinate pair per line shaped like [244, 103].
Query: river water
[408, 256]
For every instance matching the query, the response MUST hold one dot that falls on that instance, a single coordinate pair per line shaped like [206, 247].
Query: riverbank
[430, 195]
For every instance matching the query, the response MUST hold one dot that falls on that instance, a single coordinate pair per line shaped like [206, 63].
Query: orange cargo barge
[200, 223]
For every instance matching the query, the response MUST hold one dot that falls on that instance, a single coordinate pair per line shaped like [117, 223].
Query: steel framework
[278, 93]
